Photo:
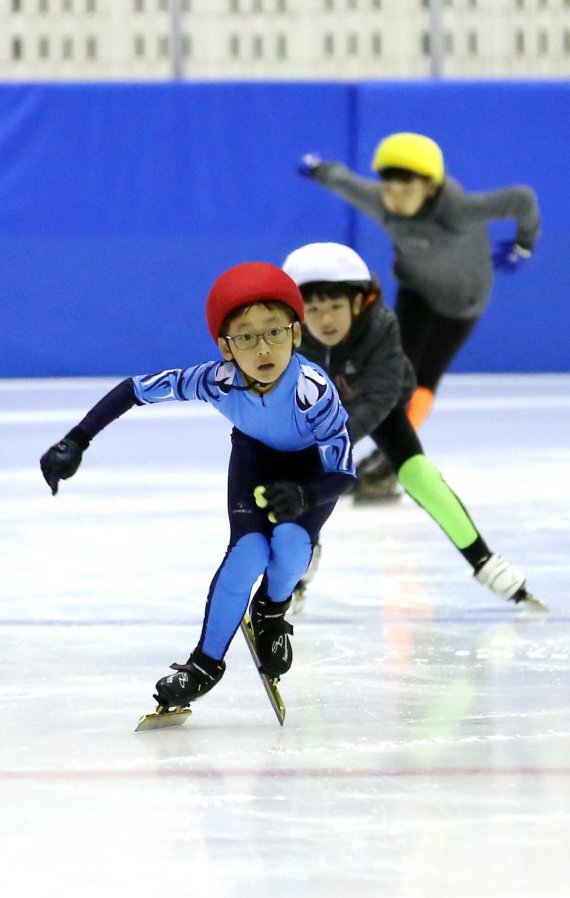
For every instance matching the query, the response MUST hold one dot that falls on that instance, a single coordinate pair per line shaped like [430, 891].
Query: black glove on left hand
[288, 500]
[62, 460]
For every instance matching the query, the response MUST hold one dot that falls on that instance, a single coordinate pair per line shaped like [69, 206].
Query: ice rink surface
[426, 750]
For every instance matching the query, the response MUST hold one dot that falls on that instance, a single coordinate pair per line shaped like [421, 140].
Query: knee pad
[230, 592]
[289, 558]
[245, 561]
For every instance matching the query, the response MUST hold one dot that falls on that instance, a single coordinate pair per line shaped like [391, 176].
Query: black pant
[430, 341]
[397, 439]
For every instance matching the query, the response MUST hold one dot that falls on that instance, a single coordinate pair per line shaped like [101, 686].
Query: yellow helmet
[415, 152]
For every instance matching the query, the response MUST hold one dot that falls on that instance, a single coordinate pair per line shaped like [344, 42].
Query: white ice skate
[300, 591]
[502, 578]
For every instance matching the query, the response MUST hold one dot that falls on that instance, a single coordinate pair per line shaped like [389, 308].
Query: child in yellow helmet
[442, 256]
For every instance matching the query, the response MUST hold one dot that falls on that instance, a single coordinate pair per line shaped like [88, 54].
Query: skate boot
[378, 487]
[506, 581]
[371, 464]
[191, 680]
[300, 591]
[271, 632]
[376, 480]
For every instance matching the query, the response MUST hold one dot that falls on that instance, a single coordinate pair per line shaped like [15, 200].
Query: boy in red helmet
[289, 436]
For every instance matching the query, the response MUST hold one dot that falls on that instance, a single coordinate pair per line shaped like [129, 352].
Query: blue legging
[257, 547]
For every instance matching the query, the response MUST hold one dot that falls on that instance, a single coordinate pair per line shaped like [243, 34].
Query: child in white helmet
[289, 440]
[350, 333]
[442, 257]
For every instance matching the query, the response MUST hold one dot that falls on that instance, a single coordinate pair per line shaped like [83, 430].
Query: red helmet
[245, 284]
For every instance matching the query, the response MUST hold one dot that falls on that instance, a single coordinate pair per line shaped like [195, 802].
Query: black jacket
[369, 368]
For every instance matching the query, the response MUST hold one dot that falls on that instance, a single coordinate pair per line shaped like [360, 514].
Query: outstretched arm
[518, 203]
[62, 460]
[363, 193]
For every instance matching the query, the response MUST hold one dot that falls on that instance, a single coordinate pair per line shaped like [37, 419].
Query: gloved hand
[287, 500]
[60, 462]
[309, 164]
[508, 255]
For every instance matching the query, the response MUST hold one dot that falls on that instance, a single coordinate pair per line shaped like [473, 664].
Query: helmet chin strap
[250, 386]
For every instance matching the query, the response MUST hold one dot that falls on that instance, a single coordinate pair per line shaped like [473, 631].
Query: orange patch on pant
[419, 406]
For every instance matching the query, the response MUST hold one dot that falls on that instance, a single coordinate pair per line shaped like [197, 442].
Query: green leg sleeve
[424, 483]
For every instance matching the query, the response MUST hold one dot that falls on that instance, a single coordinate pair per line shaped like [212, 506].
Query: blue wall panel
[120, 204]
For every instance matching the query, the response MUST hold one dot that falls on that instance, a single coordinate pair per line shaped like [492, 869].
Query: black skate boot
[371, 464]
[191, 680]
[376, 481]
[271, 632]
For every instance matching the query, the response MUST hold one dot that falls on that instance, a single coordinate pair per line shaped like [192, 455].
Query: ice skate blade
[532, 605]
[269, 683]
[162, 718]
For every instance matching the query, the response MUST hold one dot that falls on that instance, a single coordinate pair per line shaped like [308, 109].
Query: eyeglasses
[272, 336]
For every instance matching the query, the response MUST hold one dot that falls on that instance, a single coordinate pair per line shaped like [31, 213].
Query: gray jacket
[369, 368]
[443, 252]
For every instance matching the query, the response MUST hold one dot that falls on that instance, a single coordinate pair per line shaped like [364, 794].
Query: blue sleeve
[207, 382]
[327, 418]
[204, 382]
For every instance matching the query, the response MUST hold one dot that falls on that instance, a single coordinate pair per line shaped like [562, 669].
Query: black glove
[62, 460]
[288, 500]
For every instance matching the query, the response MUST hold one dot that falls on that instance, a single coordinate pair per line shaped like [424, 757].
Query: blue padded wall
[121, 203]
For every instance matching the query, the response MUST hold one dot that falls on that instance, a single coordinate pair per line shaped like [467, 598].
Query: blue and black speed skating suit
[297, 432]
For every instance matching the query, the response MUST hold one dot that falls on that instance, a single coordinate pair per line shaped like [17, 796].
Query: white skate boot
[505, 580]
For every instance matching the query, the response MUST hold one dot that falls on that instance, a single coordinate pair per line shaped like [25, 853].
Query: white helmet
[326, 262]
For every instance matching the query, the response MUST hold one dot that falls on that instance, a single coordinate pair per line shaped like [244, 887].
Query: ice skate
[300, 591]
[371, 489]
[175, 692]
[269, 683]
[191, 680]
[376, 481]
[271, 632]
[162, 718]
[505, 580]
[371, 464]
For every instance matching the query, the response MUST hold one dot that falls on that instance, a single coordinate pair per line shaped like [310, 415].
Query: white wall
[322, 39]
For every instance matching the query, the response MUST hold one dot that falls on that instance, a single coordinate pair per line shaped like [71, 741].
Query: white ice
[426, 750]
